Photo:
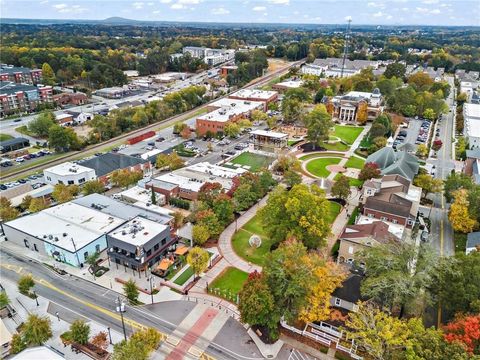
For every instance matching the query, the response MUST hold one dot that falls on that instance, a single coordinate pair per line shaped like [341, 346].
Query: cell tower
[345, 48]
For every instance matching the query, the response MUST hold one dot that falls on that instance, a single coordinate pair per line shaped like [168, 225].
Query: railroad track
[73, 155]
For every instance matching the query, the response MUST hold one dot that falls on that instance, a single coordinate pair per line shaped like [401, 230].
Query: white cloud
[389, 17]
[421, 10]
[279, 2]
[150, 4]
[378, 14]
[64, 9]
[265, 14]
[296, 12]
[138, 5]
[177, 6]
[373, 4]
[220, 11]
[348, 18]
[259, 8]
[43, 2]
[405, 9]
[60, 6]
[156, 12]
[189, 2]
[165, 1]
[435, 11]
[430, 1]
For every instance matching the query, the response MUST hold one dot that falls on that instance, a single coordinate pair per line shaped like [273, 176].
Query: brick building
[20, 75]
[18, 98]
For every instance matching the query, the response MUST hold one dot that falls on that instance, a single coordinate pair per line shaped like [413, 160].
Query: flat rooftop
[293, 84]
[254, 94]
[120, 209]
[471, 110]
[67, 168]
[270, 134]
[193, 177]
[395, 229]
[225, 113]
[138, 231]
[60, 224]
[138, 193]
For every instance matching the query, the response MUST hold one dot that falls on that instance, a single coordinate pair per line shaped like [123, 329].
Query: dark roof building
[393, 162]
[472, 165]
[13, 144]
[107, 163]
[473, 242]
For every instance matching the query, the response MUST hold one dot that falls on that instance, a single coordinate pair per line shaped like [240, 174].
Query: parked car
[3, 187]
[19, 159]
[22, 181]
[160, 139]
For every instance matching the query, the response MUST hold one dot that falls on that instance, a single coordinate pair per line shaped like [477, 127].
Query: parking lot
[416, 133]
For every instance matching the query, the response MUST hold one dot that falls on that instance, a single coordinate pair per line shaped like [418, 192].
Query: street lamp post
[109, 335]
[120, 308]
[151, 290]
[36, 297]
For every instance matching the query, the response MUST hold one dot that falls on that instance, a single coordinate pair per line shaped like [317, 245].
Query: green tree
[318, 123]
[4, 300]
[200, 234]
[7, 211]
[17, 344]
[292, 178]
[456, 283]
[48, 75]
[130, 350]
[61, 193]
[300, 213]
[244, 197]
[429, 114]
[341, 188]
[292, 110]
[397, 274]
[92, 260]
[428, 184]
[36, 330]
[231, 129]
[80, 331]
[63, 138]
[369, 171]
[25, 204]
[131, 292]
[93, 187]
[382, 334]
[198, 258]
[422, 150]
[150, 338]
[153, 197]
[223, 208]
[258, 116]
[41, 125]
[395, 70]
[25, 284]
[454, 182]
[125, 177]
[38, 204]
[256, 304]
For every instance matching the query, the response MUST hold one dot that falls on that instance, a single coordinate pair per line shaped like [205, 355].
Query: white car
[20, 159]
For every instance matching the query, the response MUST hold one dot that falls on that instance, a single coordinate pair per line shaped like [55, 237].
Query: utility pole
[76, 253]
[121, 309]
[345, 47]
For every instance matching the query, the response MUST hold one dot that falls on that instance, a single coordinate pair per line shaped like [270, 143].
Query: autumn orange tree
[466, 330]
[362, 113]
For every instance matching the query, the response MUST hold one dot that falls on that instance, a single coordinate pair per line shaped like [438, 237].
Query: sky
[377, 12]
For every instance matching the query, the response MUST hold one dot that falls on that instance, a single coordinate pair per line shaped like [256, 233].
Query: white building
[68, 173]
[138, 194]
[471, 116]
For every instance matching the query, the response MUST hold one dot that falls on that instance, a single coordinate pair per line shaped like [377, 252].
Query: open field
[347, 133]
[318, 167]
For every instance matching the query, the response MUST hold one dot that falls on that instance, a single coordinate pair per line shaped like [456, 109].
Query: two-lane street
[441, 229]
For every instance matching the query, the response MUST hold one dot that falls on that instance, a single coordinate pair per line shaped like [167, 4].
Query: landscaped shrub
[182, 204]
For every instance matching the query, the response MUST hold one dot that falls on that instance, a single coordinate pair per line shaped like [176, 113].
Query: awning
[182, 250]
[164, 264]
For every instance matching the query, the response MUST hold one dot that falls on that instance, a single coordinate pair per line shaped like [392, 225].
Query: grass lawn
[318, 167]
[4, 137]
[229, 282]
[351, 181]
[333, 211]
[24, 130]
[347, 133]
[336, 146]
[351, 219]
[355, 162]
[366, 142]
[242, 247]
[255, 161]
[183, 278]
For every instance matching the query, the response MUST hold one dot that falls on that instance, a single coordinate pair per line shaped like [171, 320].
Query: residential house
[472, 165]
[392, 199]
[358, 237]
[473, 242]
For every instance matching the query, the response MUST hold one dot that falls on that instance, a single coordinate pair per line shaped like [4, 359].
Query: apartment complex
[211, 57]
[20, 74]
[332, 67]
[18, 98]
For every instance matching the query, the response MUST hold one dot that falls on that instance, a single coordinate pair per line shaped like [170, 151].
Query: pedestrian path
[194, 334]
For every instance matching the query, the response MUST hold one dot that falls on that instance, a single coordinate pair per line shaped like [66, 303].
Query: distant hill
[118, 20]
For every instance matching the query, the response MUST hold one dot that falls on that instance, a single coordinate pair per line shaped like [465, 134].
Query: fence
[230, 312]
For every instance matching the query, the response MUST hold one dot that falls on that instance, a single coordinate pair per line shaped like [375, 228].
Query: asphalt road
[107, 145]
[441, 236]
[97, 303]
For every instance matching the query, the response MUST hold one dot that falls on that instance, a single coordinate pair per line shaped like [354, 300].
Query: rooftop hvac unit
[64, 234]
[124, 232]
[56, 238]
